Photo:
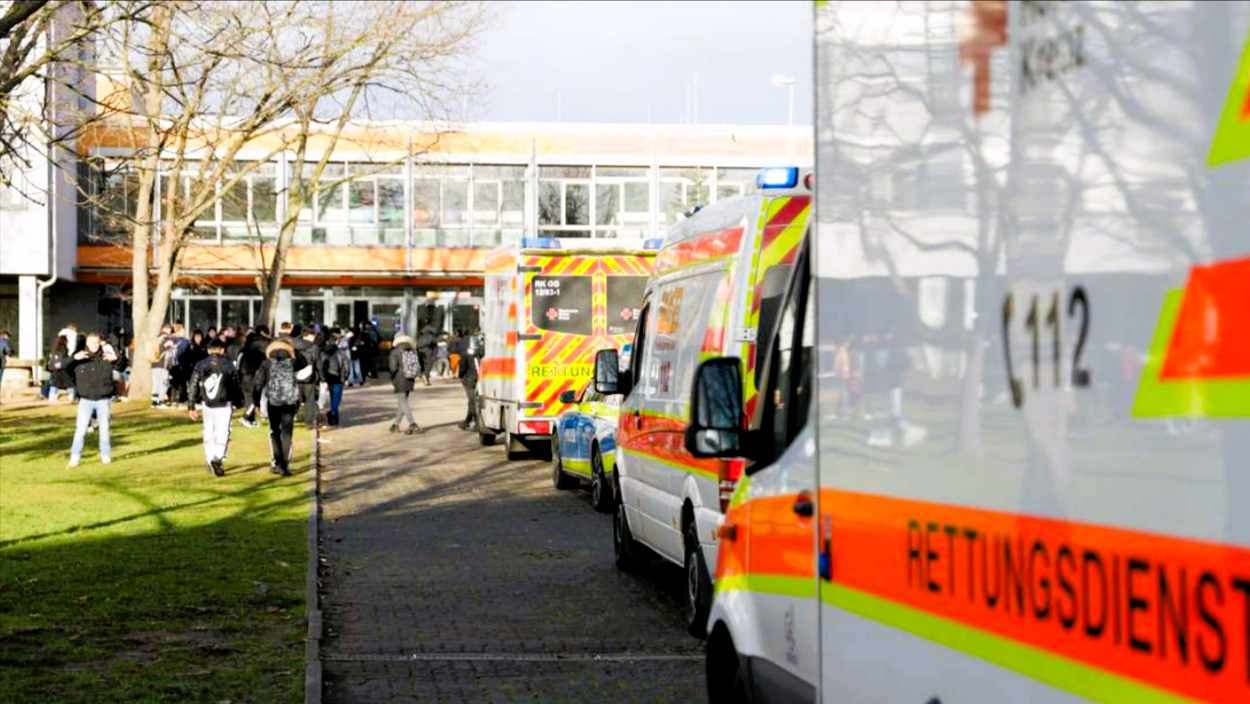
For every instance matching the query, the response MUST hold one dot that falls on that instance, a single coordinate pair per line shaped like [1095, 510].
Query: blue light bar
[653, 243]
[778, 177]
[540, 243]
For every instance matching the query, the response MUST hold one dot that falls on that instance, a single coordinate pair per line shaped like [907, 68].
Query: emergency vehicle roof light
[655, 243]
[540, 243]
[778, 177]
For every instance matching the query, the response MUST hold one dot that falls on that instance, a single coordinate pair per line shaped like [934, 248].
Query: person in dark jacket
[405, 367]
[251, 355]
[92, 372]
[58, 370]
[276, 379]
[470, 349]
[427, 345]
[215, 391]
[307, 347]
[335, 366]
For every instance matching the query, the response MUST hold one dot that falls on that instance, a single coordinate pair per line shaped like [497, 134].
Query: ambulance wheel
[600, 490]
[698, 592]
[628, 551]
[728, 681]
[560, 480]
[514, 447]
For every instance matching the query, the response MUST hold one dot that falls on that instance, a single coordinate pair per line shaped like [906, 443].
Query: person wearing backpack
[405, 366]
[215, 391]
[335, 367]
[276, 379]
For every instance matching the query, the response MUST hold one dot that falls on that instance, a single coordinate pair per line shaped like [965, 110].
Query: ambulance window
[639, 349]
[561, 304]
[624, 302]
[772, 292]
[786, 398]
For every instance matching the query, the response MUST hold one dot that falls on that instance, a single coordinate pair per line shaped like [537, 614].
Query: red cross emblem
[552, 314]
[627, 313]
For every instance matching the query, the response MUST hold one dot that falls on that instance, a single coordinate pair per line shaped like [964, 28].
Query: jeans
[470, 392]
[336, 397]
[216, 431]
[281, 428]
[101, 409]
[402, 411]
[308, 397]
[160, 384]
[354, 375]
[53, 392]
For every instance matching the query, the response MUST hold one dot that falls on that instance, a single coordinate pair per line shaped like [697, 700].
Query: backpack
[334, 364]
[280, 388]
[214, 385]
[411, 364]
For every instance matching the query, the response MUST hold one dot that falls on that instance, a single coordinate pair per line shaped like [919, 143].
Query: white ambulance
[550, 305]
[716, 283]
[1002, 453]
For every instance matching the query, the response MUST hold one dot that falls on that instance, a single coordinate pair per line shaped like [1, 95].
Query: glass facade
[422, 205]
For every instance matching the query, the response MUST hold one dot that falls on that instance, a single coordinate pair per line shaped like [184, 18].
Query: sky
[622, 61]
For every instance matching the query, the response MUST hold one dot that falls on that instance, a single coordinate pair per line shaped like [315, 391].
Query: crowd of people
[214, 372]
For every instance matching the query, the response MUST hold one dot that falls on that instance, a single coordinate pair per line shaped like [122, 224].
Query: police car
[584, 443]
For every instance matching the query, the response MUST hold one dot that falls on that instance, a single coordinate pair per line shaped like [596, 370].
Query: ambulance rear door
[1034, 341]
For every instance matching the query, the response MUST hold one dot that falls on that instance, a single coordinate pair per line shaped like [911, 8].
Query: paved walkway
[453, 575]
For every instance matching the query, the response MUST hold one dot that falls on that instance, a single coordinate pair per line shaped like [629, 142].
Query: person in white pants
[215, 391]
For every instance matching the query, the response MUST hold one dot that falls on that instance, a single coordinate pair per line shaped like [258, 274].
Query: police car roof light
[778, 177]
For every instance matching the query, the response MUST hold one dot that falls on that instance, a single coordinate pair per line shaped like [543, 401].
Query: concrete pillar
[28, 343]
[285, 310]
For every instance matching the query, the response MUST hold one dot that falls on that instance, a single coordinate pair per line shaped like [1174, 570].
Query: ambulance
[717, 282]
[550, 304]
[1001, 449]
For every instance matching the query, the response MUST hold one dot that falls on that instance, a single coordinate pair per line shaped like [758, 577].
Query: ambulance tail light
[778, 177]
[534, 427]
[729, 474]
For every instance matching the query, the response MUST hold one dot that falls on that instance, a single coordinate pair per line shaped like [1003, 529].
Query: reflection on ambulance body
[1061, 283]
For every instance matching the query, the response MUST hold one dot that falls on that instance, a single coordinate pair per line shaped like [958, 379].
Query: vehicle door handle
[803, 505]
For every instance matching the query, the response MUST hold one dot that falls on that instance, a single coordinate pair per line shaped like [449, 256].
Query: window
[734, 182]
[681, 189]
[440, 206]
[203, 315]
[624, 299]
[638, 352]
[562, 304]
[250, 207]
[788, 385]
[564, 201]
[236, 312]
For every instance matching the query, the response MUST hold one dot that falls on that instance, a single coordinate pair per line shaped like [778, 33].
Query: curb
[312, 641]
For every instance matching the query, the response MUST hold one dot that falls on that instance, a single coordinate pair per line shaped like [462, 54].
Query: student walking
[58, 371]
[469, 348]
[309, 373]
[335, 366]
[251, 356]
[276, 380]
[355, 376]
[405, 366]
[427, 346]
[214, 390]
[92, 373]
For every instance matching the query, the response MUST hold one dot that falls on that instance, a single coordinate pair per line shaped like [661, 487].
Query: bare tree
[399, 59]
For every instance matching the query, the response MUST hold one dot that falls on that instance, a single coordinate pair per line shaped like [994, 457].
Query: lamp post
[788, 83]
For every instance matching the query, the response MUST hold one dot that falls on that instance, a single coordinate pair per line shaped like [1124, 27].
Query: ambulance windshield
[562, 304]
[624, 303]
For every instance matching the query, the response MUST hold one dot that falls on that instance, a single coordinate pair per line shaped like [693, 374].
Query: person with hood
[427, 345]
[276, 379]
[335, 367]
[58, 371]
[73, 341]
[405, 367]
[251, 356]
[215, 391]
[92, 371]
[309, 378]
[470, 349]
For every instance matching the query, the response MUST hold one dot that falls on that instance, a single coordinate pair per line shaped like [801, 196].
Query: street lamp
[786, 82]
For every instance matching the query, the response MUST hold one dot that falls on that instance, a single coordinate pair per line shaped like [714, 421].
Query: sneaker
[394, 427]
[414, 429]
[248, 422]
[74, 462]
[273, 467]
[219, 469]
[106, 460]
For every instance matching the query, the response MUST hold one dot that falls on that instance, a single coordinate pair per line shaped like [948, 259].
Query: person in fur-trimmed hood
[276, 379]
[405, 365]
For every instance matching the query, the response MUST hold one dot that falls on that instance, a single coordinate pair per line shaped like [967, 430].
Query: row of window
[439, 206]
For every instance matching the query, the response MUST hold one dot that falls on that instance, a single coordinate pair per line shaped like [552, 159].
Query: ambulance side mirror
[717, 419]
[568, 397]
[609, 379]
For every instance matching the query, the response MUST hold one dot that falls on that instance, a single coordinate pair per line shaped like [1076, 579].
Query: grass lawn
[148, 580]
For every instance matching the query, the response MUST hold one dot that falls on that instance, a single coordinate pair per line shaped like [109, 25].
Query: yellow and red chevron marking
[718, 320]
[712, 245]
[777, 241]
[1199, 363]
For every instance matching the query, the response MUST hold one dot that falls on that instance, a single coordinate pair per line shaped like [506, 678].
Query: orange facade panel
[243, 258]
